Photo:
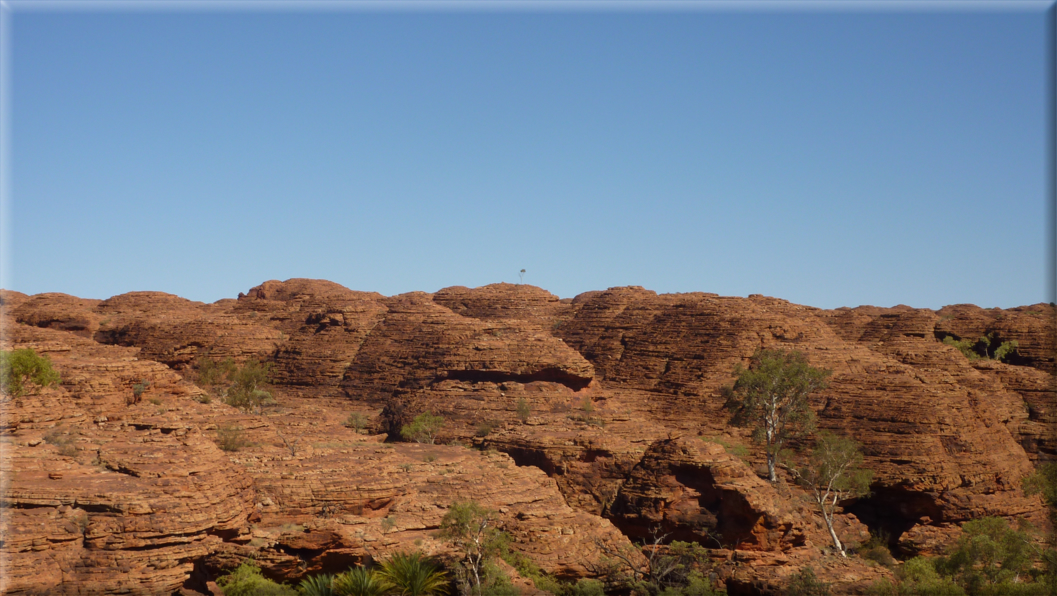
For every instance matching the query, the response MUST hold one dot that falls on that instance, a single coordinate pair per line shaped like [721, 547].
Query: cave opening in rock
[891, 511]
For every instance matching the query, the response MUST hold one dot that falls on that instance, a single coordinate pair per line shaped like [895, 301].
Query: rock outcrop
[593, 406]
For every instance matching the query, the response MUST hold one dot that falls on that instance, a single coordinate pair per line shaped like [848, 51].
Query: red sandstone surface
[624, 437]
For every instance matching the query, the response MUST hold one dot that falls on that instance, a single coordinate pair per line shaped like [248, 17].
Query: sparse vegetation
[211, 372]
[245, 392]
[357, 422]
[876, 549]
[473, 530]
[731, 447]
[423, 429]
[64, 441]
[832, 475]
[1006, 349]
[243, 383]
[388, 523]
[231, 438]
[972, 349]
[21, 370]
[771, 396]
[523, 409]
[675, 569]
[963, 345]
[806, 583]
[138, 389]
[484, 429]
[247, 580]
[991, 558]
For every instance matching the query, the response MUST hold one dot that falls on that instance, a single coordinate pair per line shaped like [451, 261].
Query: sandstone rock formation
[618, 385]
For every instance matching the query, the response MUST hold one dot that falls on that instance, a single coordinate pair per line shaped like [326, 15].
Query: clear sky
[829, 157]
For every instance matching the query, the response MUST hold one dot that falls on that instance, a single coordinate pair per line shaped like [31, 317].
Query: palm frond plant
[360, 581]
[414, 574]
[317, 585]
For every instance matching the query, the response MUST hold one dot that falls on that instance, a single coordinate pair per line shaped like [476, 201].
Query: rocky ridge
[625, 423]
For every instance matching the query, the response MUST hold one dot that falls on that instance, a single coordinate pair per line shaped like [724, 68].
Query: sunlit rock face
[599, 421]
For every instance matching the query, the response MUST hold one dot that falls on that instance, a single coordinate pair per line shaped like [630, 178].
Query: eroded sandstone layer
[621, 430]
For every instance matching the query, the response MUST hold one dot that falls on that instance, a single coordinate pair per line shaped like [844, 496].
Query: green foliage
[360, 581]
[423, 429]
[730, 447]
[527, 568]
[211, 372]
[981, 348]
[1006, 349]
[1043, 482]
[231, 438]
[357, 422]
[413, 574]
[989, 553]
[991, 558]
[248, 581]
[876, 549]
[587, 406]
[496, 582]
[244, 392]
[806, 583]
[832, 474]
[964, 346]
[523, 409]
[655, 569]
[317, 585]
[21, 368]
[484, 429]
[139, 388]
[472, 529]
[771, 397]
[587, 587]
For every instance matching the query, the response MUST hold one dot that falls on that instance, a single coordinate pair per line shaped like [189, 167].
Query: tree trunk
[833, 535]
[772, 475]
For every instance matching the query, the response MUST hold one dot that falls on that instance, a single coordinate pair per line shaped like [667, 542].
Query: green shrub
[806, 583]
[248, 581]
[245, 392]
[231, 438]
[523, 409]
[63, 441]
[876, 549]
[1005, 350]
[964, 346]
[357, 422]
[211, 372]
[139, 388]
[587, 587]
[484, 429]
[423, 429]
[989, 552]
[20, 368]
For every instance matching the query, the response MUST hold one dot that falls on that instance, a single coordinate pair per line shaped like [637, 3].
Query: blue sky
[831, 158]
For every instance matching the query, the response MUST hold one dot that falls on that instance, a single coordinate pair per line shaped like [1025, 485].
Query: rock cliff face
[597, 419]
